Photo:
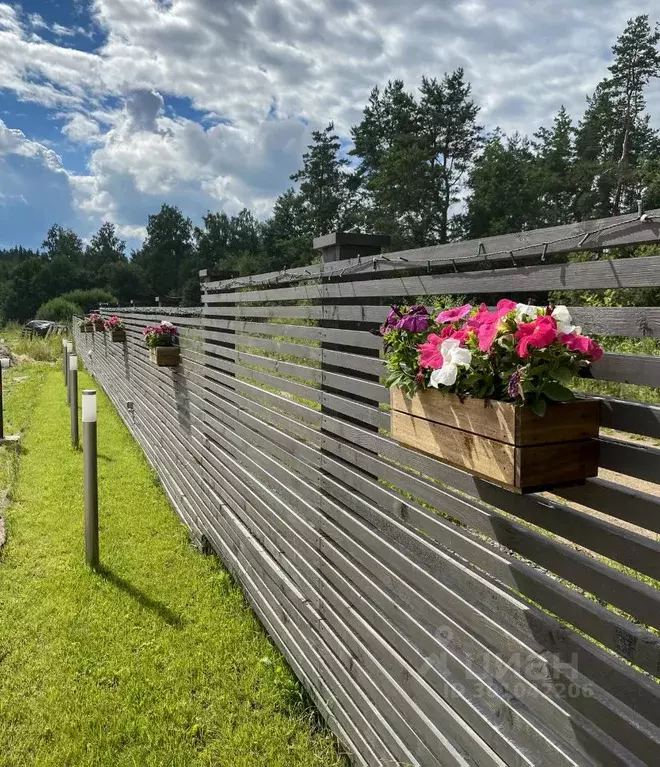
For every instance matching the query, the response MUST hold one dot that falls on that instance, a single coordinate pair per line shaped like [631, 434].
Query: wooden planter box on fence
[498, 441]
[117, 336]
[86, 329]
[165, 356]
[99, 326]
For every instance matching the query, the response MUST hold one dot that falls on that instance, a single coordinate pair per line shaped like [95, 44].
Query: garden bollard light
[64, 368]
[67, 350]
[4, 364]
[73, 398]
[90, 478]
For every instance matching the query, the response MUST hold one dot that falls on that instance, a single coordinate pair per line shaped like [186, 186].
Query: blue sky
[108, 108]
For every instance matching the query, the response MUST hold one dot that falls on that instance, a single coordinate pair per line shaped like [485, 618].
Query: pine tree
[505, 189]
[614, 135]
[636, 63]
[104, 248]
[325, 191]
[65, 243]
[451, 138]
[415, 155]
[167, 255]
[287, 240]
[556, 160]
[388, 143]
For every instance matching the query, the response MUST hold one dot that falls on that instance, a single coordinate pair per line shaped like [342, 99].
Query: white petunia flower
[453, 357]
[527, 312]
[564, 320]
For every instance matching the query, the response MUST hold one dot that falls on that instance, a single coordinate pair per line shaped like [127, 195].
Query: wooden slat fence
[434, 618]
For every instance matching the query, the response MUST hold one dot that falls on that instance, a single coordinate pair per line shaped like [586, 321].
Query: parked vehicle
[38, 327]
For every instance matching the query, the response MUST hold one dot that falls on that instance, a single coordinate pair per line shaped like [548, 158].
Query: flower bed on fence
[520, 356]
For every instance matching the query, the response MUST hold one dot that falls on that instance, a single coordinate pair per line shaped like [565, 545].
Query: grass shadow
[144, 600]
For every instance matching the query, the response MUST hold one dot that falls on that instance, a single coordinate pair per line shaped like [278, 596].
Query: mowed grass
[156, 660]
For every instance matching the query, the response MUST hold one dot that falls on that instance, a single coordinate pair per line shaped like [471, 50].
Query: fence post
[90, 478]
[340, 246]
[73, 398]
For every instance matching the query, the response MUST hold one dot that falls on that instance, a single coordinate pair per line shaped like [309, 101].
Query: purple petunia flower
[416, 319]
[392, 318]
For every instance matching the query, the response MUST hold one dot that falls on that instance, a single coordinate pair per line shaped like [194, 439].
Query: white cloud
[147, 158]
[267, 67]
[14, 142]
[35, 190]
[81, 129]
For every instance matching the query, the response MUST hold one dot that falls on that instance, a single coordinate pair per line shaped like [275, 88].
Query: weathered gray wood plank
[596, 275]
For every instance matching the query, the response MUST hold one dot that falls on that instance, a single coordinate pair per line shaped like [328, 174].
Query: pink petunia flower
[483, 315]
[486, 323]
[539, 334]
[455, 314]
[582, 344]
[461, 335]
[430, 355]
[504, 306]
[486, 334]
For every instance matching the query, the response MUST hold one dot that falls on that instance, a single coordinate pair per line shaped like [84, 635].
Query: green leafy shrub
[89, 299]
[58, 310]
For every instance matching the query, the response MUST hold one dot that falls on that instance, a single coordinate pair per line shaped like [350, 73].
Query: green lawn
[157, 660]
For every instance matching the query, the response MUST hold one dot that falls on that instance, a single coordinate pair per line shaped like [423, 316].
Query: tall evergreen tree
[556, 160]
[325, 186]
[388, 143]
[504, 189]
[104, 248]
[636, 63]
[614, 135]
[167, 255]
[63, 242]
[451, 139]
[415, 155]
[287, 240]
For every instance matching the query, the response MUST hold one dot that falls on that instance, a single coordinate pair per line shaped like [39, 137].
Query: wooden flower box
[86, 328]
[500, 442]
[165, 356]
[117, 336]
[99, 326]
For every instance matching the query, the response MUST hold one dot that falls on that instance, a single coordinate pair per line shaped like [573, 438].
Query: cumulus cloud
[259, 75]
[34, 189]
[81, 129]
[147, 158]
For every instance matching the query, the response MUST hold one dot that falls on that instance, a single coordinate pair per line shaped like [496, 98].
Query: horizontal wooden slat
[633, 417]
[642, 370]
[592, 275]
[633, 322]
[627, 458]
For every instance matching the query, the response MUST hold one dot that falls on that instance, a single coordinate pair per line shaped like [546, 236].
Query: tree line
[421, 168]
